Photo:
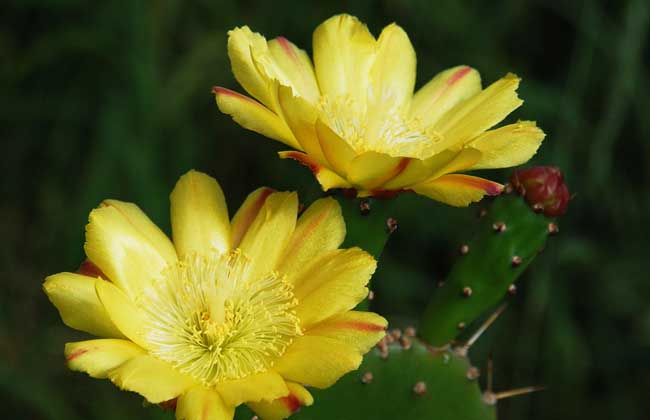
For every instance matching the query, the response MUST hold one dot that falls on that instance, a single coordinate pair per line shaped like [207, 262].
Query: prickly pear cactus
[404, 380]
[510, 235]
[404, 377]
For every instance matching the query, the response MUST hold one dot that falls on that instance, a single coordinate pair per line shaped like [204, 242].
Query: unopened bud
[543, 188]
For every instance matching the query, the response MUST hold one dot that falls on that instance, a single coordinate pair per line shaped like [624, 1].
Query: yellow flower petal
[458, 190]
[508, 146]
[326, 178]
[337, 152]
[150, 377]
[243, 45]
[282, 408]
[200, 403]
[247, 213]
[199, 215]
[470, 118]
[360, 126]
[415, 170]
[320, 229]
[126, 245]
[98, 357]
[371, 170]
[260, 66]
[122, 311]
[361, 330]
[262, 386]
[301, 116]
[446, 90]
[296, 67]
[329, 180]
[393, 72]
[75, 298]
[333, 284]
[419, 171]
[317, 361]
[344, 51]
[253, 116]
[270, 232]
[449, 161]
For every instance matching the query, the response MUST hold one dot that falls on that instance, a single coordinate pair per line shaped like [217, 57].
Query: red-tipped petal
[327, 178]
[284, 407]
[458, 190]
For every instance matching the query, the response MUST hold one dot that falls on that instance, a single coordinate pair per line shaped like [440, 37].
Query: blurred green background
[112, 99]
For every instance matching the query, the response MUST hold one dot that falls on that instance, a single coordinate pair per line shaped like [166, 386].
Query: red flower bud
[543, 188]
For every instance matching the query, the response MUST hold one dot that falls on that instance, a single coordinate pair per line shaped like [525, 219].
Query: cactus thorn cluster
[499, 227]
[391, 224]
[367, 378]
[512, 290]
[420, 388]
[473, 373]
[364, 207]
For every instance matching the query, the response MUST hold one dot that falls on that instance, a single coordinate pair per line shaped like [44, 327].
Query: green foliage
[509, 236]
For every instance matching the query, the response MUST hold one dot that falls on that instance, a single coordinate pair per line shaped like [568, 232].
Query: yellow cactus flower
[354, 120]
[249, 310]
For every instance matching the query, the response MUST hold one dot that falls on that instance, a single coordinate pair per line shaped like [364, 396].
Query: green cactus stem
[404, 380]
[509, 237]
[369, 223]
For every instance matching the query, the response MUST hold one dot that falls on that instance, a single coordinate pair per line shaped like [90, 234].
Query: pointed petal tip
[459, 74]
[493, 188]
[286, 46]
[458, 190]
[512, 76]
[238, 29]
[75, 354]
[222, 91]
[302, 158]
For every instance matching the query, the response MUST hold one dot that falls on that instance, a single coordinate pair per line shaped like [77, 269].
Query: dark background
[112, 99]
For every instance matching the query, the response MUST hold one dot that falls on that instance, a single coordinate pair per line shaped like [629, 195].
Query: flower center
[385, 129]
[209, 321]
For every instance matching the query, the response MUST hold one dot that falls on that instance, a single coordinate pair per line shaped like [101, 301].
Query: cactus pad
[404, 380]
[509, 237]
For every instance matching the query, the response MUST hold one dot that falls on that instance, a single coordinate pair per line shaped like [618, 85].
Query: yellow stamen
[209, 323]
[385, 130]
